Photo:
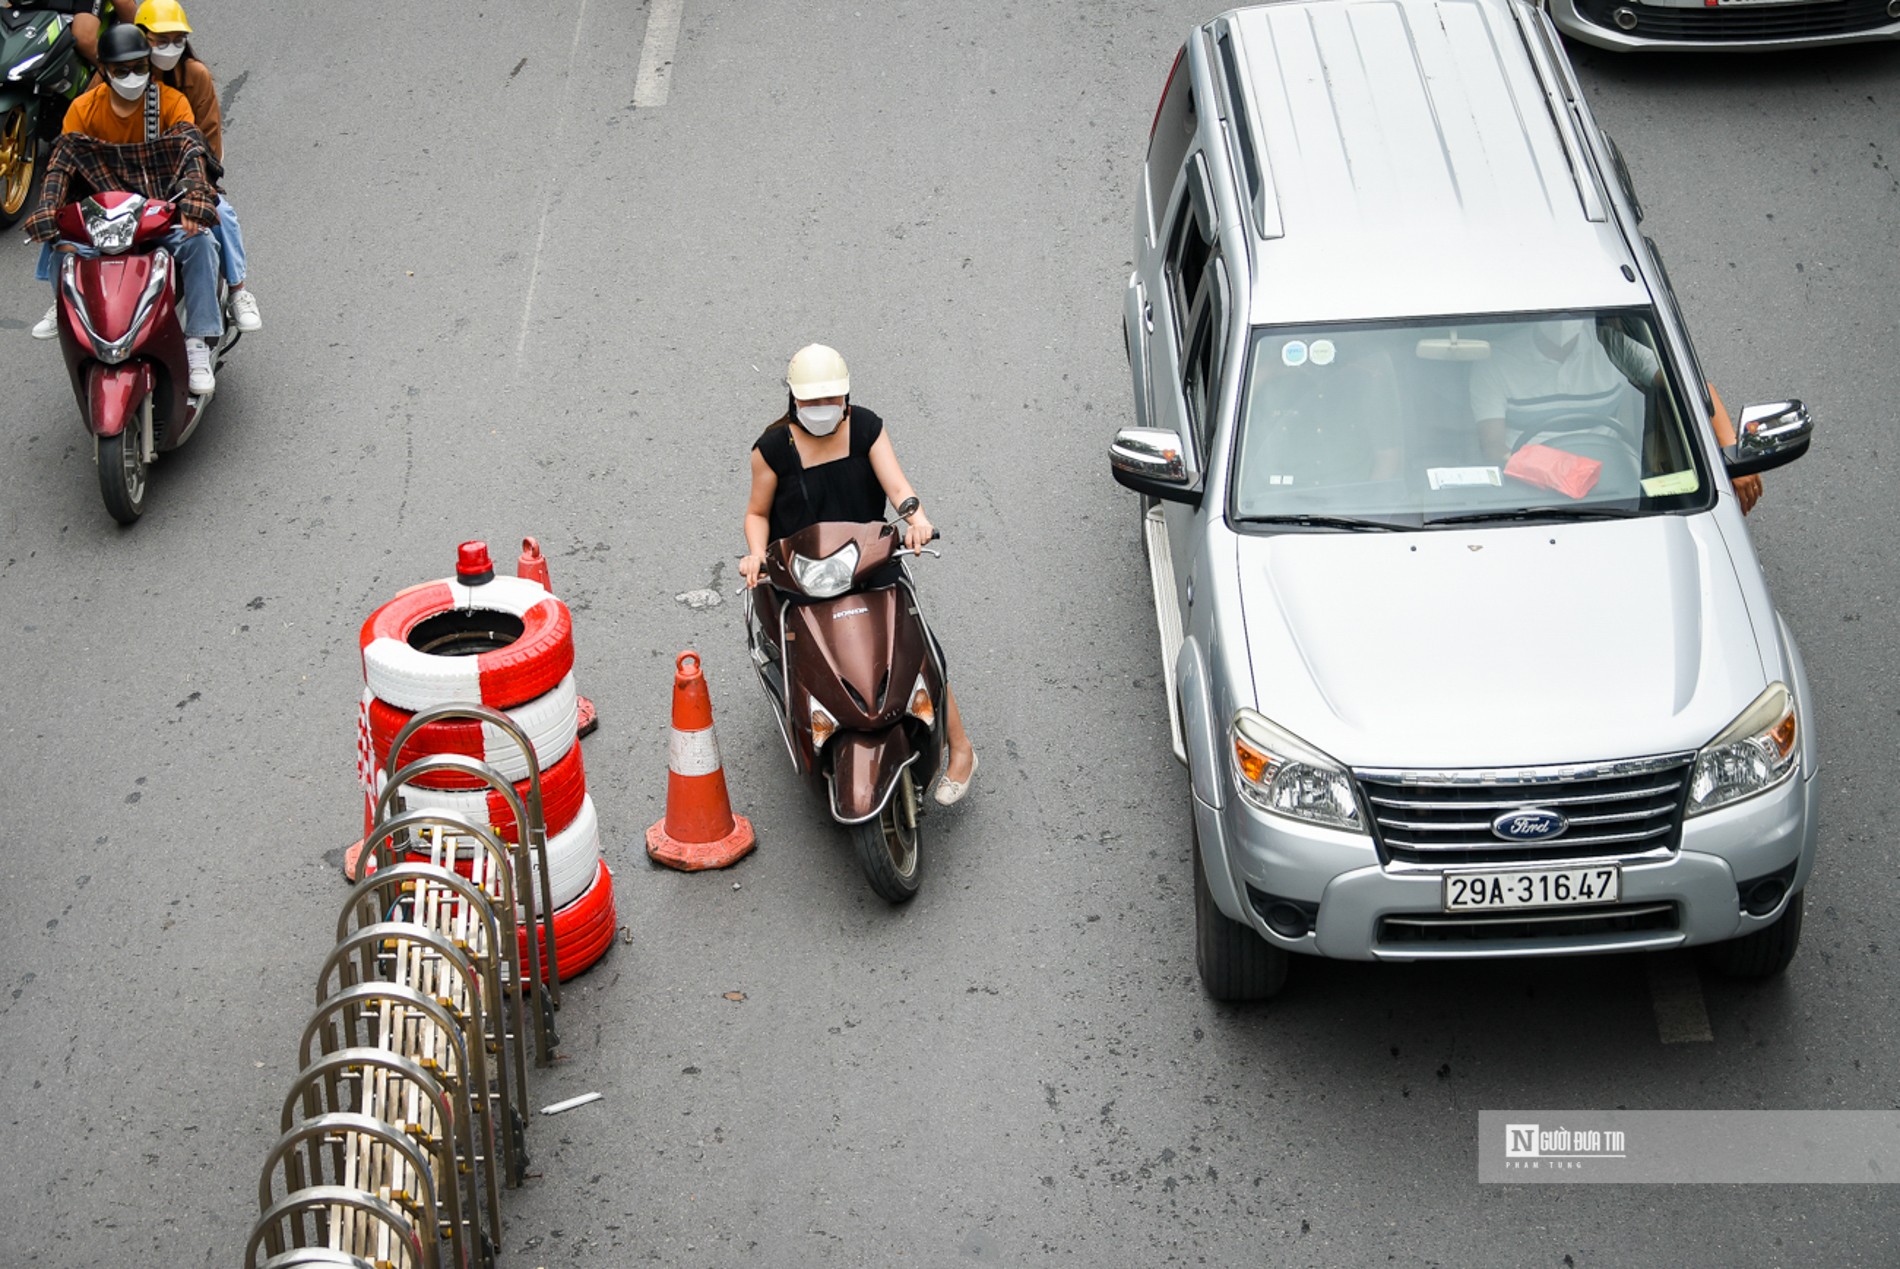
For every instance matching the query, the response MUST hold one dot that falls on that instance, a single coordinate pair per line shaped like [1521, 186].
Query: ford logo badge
[1529, 824]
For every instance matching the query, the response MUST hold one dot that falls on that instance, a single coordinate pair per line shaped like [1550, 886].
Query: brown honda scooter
[856, 682]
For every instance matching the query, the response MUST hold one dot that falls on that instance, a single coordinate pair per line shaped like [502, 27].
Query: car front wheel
[1764, 953]
[1236, 964]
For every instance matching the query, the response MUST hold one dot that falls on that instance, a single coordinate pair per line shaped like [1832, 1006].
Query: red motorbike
[124, 340]
[856, 683]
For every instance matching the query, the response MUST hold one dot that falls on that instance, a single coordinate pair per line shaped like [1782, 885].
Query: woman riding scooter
[827, 459]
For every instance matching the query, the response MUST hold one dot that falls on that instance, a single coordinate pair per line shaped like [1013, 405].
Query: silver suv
[1467, 649]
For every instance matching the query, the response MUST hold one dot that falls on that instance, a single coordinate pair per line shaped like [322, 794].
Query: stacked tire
[508, 643]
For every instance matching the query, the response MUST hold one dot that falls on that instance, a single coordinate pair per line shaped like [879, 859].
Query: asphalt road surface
[515, 283]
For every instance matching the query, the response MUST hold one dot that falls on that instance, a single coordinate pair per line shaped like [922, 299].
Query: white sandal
[950, 792]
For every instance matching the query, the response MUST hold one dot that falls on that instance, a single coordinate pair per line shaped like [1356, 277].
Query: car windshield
[1410, 425]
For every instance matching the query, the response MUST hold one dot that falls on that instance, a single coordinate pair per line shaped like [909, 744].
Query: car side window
[1174, 126]
[1190, 247]
[1200, 369]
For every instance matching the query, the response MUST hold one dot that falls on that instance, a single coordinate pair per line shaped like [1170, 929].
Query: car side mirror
[1768, 437]
[1152, 461]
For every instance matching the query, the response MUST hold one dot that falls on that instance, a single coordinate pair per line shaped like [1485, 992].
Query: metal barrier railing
[409, 1112]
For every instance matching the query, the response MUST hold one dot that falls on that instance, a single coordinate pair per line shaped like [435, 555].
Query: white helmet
[816, 370]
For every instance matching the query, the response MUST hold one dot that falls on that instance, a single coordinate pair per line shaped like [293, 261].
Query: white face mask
[820, 420]
[131, 88]
[166, 58]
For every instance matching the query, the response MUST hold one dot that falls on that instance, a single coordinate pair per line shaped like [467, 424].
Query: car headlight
[821, 579]
[1753, 754]
[1279, 772]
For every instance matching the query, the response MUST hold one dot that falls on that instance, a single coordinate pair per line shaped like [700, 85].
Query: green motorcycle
[40, 74]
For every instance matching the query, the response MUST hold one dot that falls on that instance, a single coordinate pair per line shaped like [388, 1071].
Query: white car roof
[1422, 158]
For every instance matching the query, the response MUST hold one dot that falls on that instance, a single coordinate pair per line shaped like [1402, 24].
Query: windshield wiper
[1324, 522]
[1531, 514]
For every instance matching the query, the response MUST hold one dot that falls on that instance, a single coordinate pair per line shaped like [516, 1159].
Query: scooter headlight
[821, 579]
[19, 71]
[113, 231]
[1752, 755]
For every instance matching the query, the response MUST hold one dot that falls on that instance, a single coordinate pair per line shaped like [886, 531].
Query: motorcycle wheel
[122, 474]
[19, 166]
[887, 845]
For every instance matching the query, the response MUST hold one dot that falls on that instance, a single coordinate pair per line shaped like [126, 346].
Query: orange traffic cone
[700, 830]
[534, 566]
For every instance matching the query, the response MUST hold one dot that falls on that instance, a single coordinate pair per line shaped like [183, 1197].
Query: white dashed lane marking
[547, 189]
[1675, 991]
[655, 80]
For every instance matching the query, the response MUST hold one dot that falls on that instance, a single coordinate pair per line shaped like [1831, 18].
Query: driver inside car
[1570, 375]
[1559, 376]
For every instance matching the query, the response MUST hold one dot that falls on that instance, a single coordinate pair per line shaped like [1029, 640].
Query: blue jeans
[197, 255]
[230, 236]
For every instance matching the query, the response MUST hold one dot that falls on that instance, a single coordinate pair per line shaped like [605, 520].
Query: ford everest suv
[1467, 649]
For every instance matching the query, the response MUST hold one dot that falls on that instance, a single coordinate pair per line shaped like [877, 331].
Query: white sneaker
[198, 357]
[48, 327]
[244, 310]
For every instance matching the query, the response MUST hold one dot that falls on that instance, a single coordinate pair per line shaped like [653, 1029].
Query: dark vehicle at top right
[1725, 25]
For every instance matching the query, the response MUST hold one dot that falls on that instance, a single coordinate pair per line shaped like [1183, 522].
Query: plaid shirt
[174, 167]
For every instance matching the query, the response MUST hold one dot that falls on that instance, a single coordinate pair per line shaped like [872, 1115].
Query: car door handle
[1148, 316]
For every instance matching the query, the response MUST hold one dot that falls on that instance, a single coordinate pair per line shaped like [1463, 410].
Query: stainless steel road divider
[408, 1116]
[536, 837]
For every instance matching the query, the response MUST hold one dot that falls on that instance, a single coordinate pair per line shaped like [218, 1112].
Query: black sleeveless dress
[843, 489]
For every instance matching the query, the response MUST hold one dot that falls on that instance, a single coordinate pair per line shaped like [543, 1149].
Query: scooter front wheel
[122, 474]
[887, 845]
[19, 165]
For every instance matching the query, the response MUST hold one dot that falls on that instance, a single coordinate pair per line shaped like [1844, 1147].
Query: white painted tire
[409, 678]
[573, 857]
[563, 788]
[548, 720]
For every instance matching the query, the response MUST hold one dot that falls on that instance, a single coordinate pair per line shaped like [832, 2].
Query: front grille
[1439, 929]
[1623, 808]
[1746, 22]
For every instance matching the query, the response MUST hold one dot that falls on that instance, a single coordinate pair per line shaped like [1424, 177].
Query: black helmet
[123, 43]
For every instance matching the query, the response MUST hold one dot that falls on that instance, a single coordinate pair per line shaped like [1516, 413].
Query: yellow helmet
[817, 371]
[162, 16]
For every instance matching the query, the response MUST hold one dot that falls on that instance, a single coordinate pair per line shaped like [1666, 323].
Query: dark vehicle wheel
[887, 845]
[19, 166]
[1236, 964]
[1764, 953]
[122, 473]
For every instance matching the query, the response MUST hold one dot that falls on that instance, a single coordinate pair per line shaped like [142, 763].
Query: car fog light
[1625, 18]
[1763, 896]
[1286, 920]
